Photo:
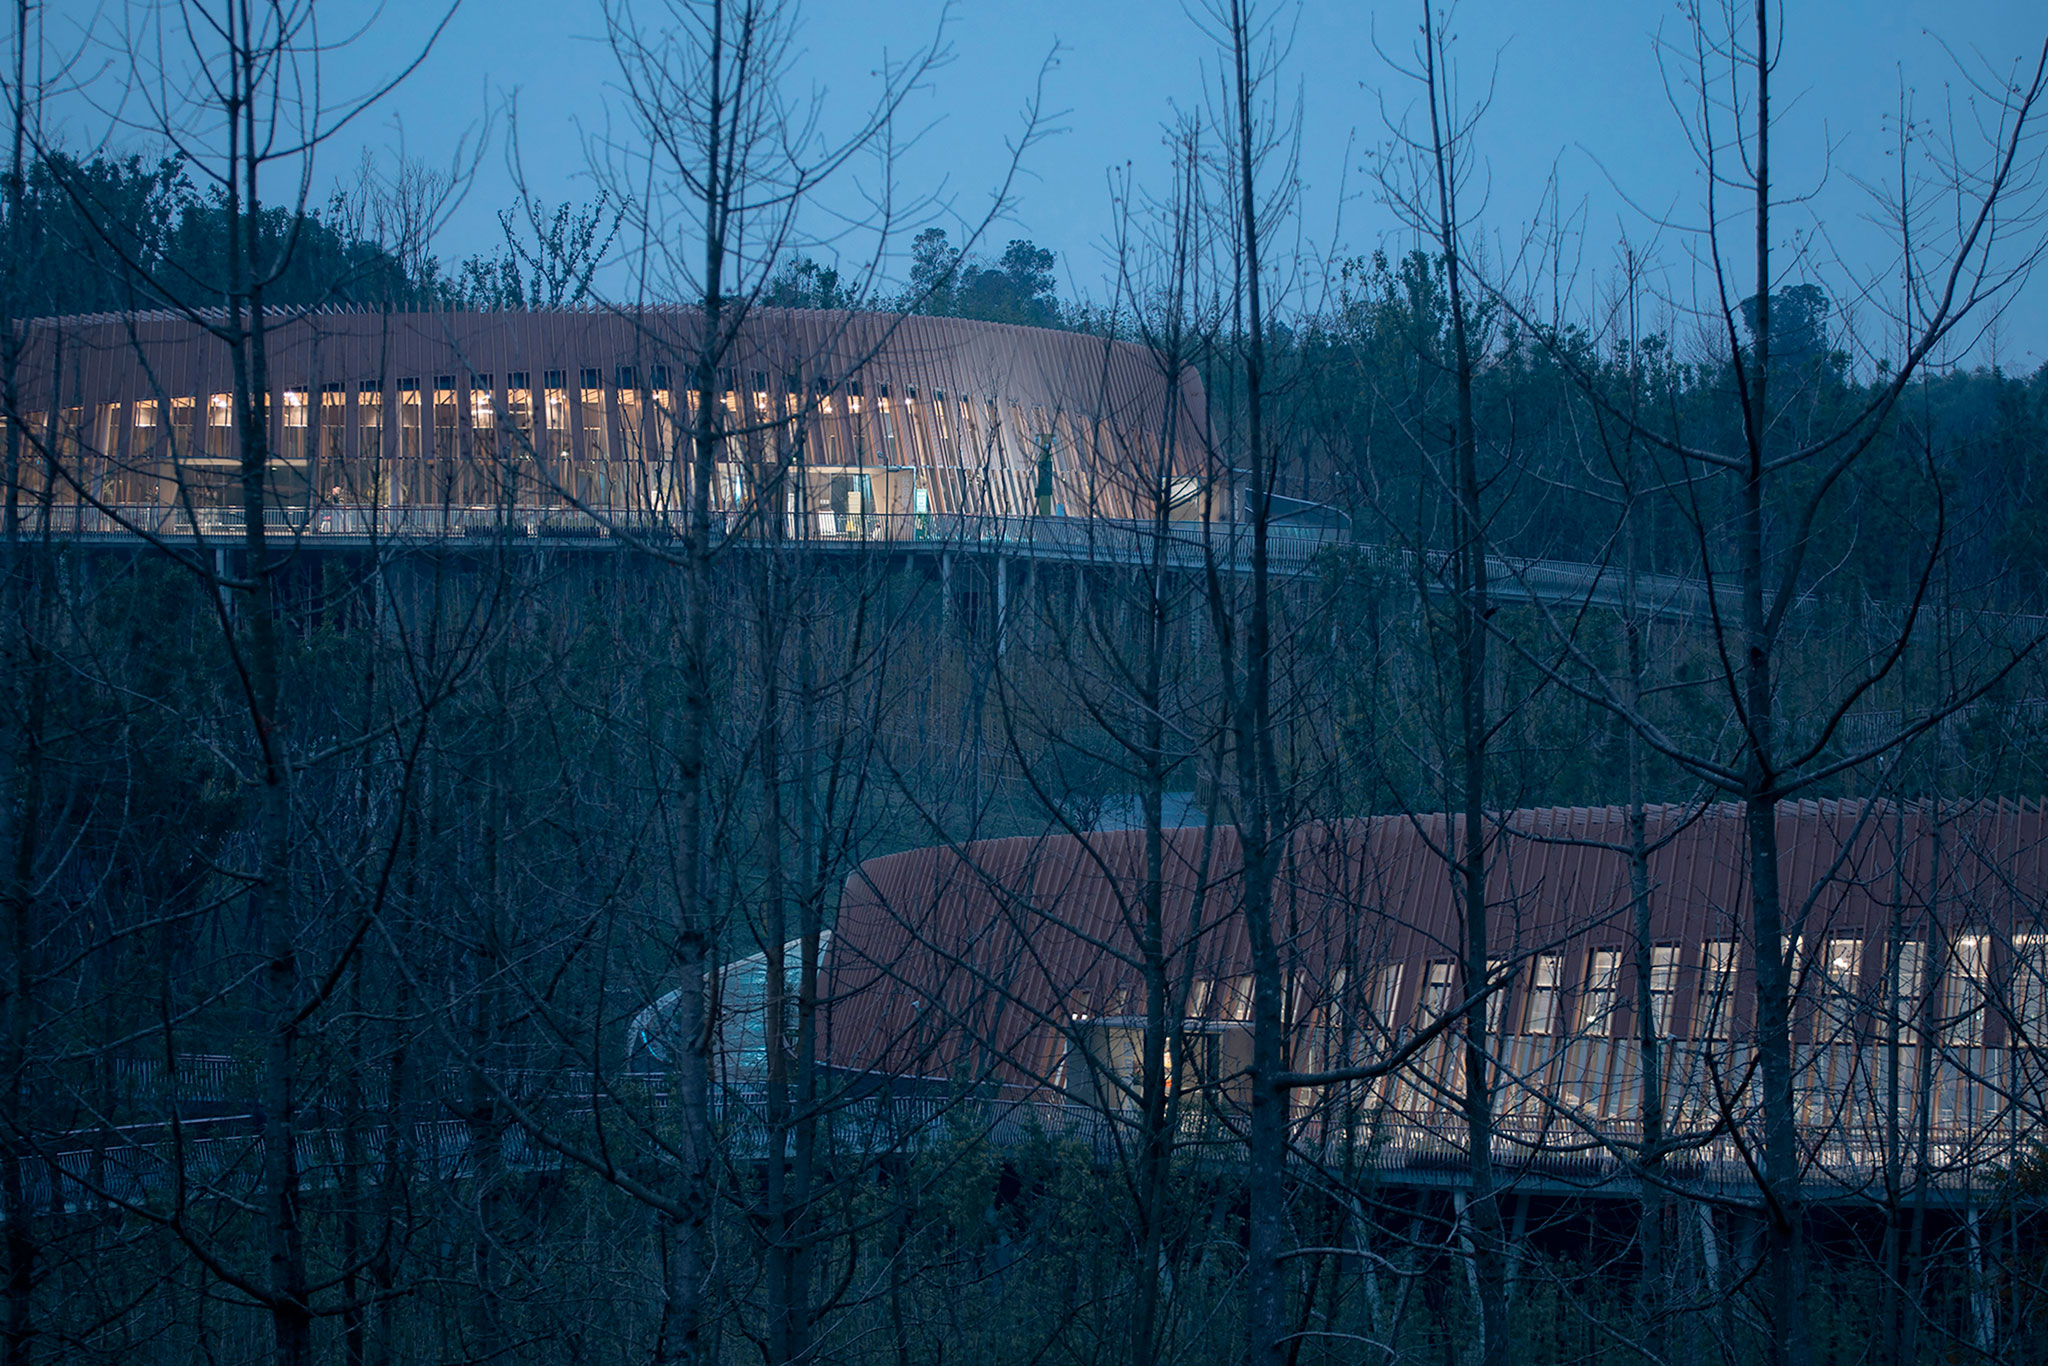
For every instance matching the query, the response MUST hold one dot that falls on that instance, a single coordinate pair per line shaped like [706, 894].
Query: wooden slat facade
[885, 418]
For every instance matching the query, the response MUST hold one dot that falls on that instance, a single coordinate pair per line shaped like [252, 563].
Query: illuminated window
[483, 474]
[333, 421]
[107, 430]
[68, 436]
[1541, 1015]
[370, 418]
[143, 431]
[445, 410]
[1715, 1012]
[372, 477]
[1969, 973]
[296, 447]
[1663, 988]
[519, 407]
[1235, 996]
[1436, 993]
[1496, 1004]
[220, 426]
[1386, 997]
[1908, 983]
[666, 419]
[631, 436]
[182, 413]
[1793, 948]
[554, 416]
[1841, 982]
[2030, 989]
[596, 432]
[1912, 973]
[104, 450]
[410, 446]
[1603, 981]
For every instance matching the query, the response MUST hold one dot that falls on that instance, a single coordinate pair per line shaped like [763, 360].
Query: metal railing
[1079, 539]
[158, 1161]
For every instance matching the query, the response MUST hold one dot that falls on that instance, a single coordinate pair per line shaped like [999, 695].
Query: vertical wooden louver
[406, 416]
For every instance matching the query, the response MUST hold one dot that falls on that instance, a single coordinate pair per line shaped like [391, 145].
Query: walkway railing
[221, 1157]
[1068, 539]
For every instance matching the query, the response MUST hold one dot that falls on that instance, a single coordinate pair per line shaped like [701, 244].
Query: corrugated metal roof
[969, 959]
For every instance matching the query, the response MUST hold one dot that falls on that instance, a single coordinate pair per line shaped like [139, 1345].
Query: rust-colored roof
[969, 960]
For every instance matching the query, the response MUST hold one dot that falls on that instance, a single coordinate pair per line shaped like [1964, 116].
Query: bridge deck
[222, 1156]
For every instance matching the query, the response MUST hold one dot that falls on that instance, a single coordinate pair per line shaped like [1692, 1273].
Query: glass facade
[592, 485]
[407, 485]
[2029, 995]
[1436, 992]
[137, 483]
[1541, 1015]
[1386, 998]
[1497, 1004]
[176, 442]
[220, 427]
[554, 457]
[331, 476]
[484, 472]
[366, 476]
[1969, 974]
[1603, 982]
[1577, 1053]
[870, 453]
[519, 451]
[443, 486]
[1664, 988]
[295, 446]
[1716, 1007]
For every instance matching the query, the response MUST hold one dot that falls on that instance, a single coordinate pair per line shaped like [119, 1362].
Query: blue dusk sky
[1580, 124]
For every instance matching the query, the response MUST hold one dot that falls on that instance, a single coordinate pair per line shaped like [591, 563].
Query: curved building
[840, 425]
[1920, 962]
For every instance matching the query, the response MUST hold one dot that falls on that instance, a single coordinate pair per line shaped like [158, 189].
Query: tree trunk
[1155, 1154]
[1784, 1207]
[688, 1252]
[785, 1329]
[1257, 782]
[21, 727]
[272, 907]
[1481, 1215]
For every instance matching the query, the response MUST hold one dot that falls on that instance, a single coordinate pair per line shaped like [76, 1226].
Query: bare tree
[1107, 708]
[244, 106]
[1754, 497]
[1251, 45]
[715, 186]
[24, 598]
